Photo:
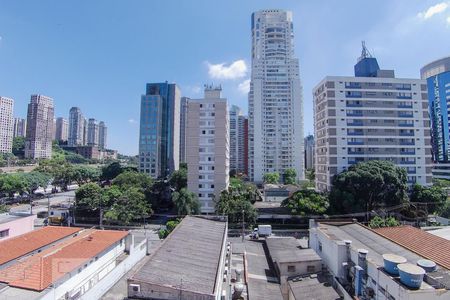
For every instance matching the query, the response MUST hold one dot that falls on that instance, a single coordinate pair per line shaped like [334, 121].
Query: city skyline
[101, 86]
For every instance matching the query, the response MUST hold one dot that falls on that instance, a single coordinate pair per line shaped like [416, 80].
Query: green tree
[170, 226]
[130, 179]
[378, 222]
[11, 184]
[83, 174]
[306, 202]
[186, 202]
[18, 147]
[232, 203]
[367, 186]
[178, 179]
[435, 197]
[111, 171]
[89, 195]
[290, 176]
[130, 205]
[273, 178]
[35, 180]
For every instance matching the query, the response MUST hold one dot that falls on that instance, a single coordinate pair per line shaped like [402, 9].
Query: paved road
[41, 204]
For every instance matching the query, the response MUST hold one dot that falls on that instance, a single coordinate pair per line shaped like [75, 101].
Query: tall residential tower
[61, 130]
[102, 135]
[39, 138]
[275, 98]
[159, 138]
[6, 124]
[76, 127]
[237, 140]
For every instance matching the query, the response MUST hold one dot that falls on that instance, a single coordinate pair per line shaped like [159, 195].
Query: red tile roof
[39, 271]
[421, 242]
[23, 244]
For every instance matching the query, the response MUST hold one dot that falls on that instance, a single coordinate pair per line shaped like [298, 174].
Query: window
[320, 246]
[212, 186]
[310, 269]
[4, 233]
[291, 268]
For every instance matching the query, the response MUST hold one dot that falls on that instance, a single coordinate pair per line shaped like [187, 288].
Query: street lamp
[243, 230]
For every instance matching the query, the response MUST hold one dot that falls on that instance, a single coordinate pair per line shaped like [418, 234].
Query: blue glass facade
[367, 67]
[439, 105]
[157, 122]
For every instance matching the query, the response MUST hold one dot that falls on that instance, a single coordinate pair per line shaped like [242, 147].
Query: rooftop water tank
[411, 275]
[391, 261]
[427, 265]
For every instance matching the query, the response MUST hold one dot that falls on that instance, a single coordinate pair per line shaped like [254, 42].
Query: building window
[4, 233]
[291, 269]
[320, 246]
[310, 269]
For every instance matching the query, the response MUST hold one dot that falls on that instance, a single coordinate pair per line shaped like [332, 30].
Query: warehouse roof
[188, 258]
[21, 245]
[39, 271]
[313, 287]
[288, 249]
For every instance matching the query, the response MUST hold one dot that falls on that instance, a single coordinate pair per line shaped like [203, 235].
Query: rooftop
[39, 271]
[21, 245]
[189, 256]
[313, 287]
[288, 249]
[420, 242]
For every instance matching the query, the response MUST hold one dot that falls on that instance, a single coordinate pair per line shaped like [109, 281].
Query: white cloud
[244, 87]
[236, 69]
[433, 10]
[132, 121]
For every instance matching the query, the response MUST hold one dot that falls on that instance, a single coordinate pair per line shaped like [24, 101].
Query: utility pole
[243, 228]
[101, 217]
[48, 208]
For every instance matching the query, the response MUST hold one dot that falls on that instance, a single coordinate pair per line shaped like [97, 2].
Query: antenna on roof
[364, 52]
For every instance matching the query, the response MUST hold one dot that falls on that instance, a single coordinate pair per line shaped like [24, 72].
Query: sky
[98, 55]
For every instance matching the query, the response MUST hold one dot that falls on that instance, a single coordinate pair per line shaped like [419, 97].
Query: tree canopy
[367, 186]
[434, 196]
[306, 202]
[18, 146]
[186, 202]
[290, 176]
[232, 203]
[273, 178]
[178, 179]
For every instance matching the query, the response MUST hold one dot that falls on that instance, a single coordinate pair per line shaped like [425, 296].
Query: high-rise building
[6, 124]
[183, 112]
[372, 116]
[85, 132]
[61, 130]
[76, 127]
[208, 147]
[20, 127]
[237, 142]
[39, 137]
[437, 75]
[275, 98]
[159, 139]
[309, 152]
[92, 132]
[102, 135]
[246, 145]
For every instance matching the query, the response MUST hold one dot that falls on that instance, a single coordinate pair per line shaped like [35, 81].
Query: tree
[378, 222]
[290, 176]
[273, 178]
[89, 195]
[306, 202]
[83, 174]
[130, 205]
[18, 147]
[186, 202]
[434, 196]
[367, 186]
[178, 179]
[35, 180]
[11, 184]
[129, 179]
[232, 203]
[111, 171]
[170, 226]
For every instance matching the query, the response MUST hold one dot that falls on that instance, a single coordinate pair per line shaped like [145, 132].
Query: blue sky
[98, 55]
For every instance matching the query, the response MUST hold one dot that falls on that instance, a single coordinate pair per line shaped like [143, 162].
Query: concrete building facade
[183, 113]
[61, 130]
[93, 132]
[20, 127]
[437, 75]
[76, 127]
[159, 138]
[102, 135]
[39, 137]
[275, 97]
[309, 152]
[6, 124]
[208, 147]
[373, 116]
[237, 140]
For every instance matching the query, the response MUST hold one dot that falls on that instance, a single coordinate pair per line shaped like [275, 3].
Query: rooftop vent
[391, 261]
[411, 275]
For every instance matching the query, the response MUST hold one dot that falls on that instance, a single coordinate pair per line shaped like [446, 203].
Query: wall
[18, 226]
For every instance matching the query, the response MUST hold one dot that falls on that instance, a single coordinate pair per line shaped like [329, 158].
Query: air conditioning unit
[135, 287]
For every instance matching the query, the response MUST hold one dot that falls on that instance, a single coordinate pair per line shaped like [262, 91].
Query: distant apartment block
[85, 132]
[92, 134]
[437, 75]
[61, 130]
[372, 116]
[238, 140]
[159, 138]
[275, 97]
[309, 152]
[76, 127]
[39, 137]
[20, 127]
[102, 135]
[208, 147]
[6, 124]
[183, 112]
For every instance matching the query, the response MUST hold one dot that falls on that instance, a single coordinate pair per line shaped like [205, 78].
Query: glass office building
[437, 75]
[159, 138]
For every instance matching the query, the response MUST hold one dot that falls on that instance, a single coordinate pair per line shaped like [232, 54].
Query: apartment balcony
[355, 152]
[404, 97]
[406, 124]
[404, 106]
[359, 114]
[406, 133]
[353, 85]
[354, 105]
[355, 133]
[408, 152]
[407, 143]
[407, 162]
[355, 123]
[409, 115]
